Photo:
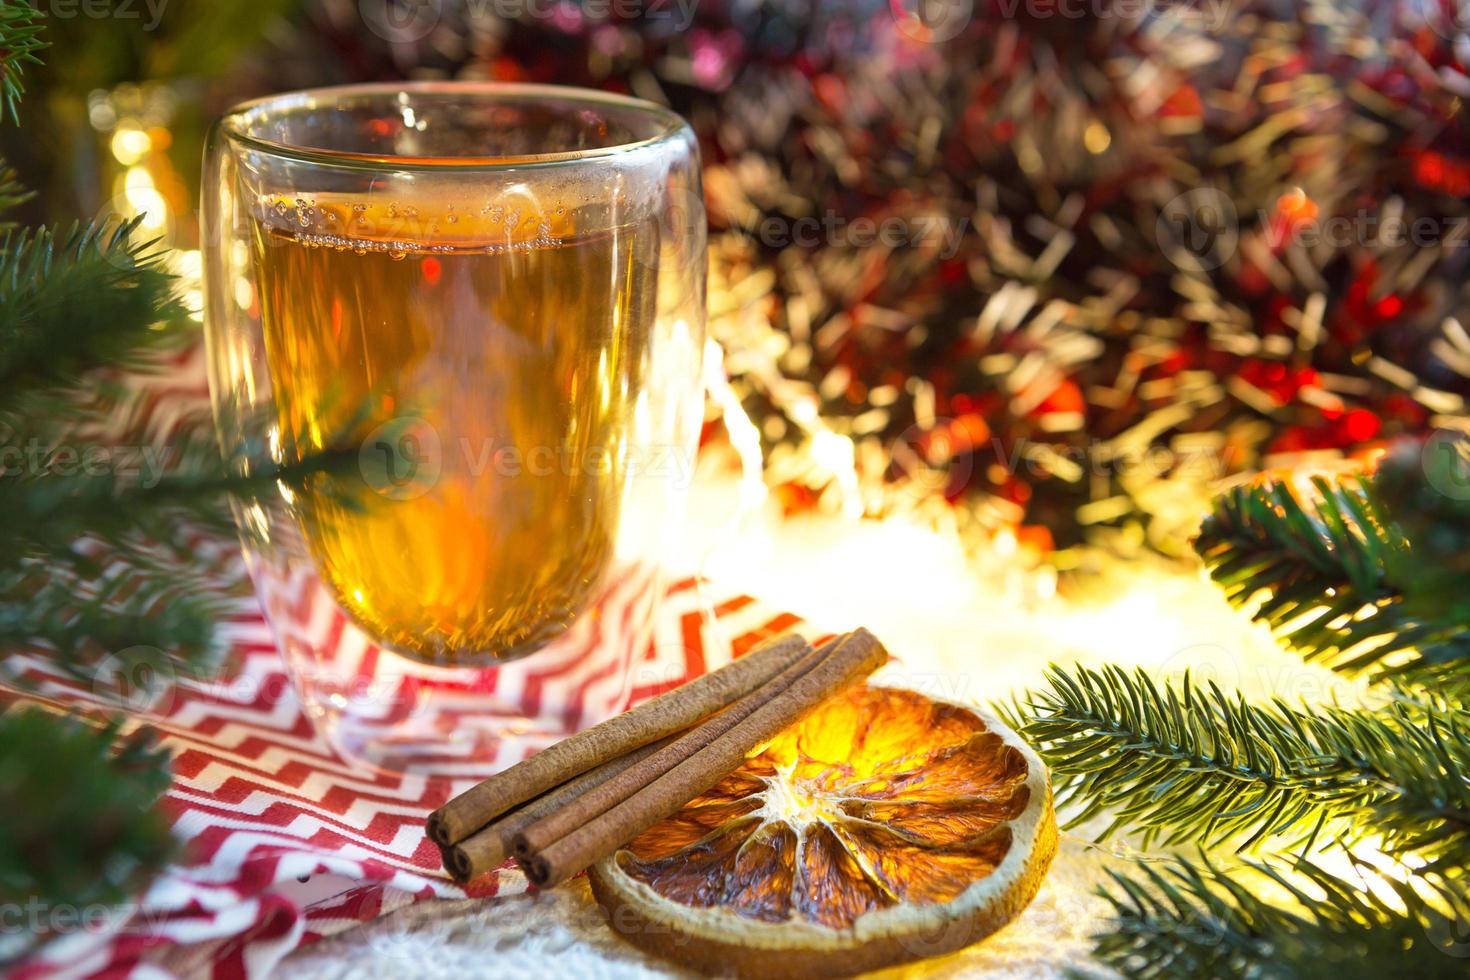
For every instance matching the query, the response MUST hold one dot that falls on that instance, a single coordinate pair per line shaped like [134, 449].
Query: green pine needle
[189, 485]
[20, 43]
[81, 826]
[1190, 764]
[12, 194]
[1337, 577]
[76, 301]
[1192, 920]
[79, 622]
[91, 565]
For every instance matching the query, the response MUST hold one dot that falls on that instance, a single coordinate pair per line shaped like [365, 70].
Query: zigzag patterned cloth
[284, 840]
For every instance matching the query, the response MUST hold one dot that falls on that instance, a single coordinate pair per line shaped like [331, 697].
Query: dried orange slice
[885, 827]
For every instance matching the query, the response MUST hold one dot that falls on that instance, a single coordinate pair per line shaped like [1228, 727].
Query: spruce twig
[80, 827]
[12, 194]
[1195, 919]
[75, 301]
[1190, 764]
[97, 564]
[20, 44]
[1333, 571]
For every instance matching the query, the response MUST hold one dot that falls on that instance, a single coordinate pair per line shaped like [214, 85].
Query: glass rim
[234, 123]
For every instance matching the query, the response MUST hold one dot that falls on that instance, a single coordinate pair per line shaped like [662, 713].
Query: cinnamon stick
[648, 722]
[596, 801]
[489, 846]
[854, 655]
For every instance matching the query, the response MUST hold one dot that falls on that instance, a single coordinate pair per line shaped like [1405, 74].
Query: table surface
[964, 628]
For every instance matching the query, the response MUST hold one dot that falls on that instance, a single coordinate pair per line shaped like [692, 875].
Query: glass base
[393, 713]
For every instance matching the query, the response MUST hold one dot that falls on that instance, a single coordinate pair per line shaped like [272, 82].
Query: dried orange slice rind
[886, 826]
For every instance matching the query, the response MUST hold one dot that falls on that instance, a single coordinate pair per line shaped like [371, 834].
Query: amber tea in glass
[518, 342]
[494, 295]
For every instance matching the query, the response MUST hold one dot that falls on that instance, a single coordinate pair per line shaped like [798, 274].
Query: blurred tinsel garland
[1101, 309]
[1139, 246]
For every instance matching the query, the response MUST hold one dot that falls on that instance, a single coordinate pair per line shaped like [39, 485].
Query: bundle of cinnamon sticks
[579, 800]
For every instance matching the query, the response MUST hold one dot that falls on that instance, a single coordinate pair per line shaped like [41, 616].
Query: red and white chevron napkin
[284, 840]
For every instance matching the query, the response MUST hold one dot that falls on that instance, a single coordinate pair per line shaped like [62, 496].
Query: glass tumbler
[464, 323]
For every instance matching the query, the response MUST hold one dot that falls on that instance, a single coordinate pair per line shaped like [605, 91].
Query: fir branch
[80, 826]
[50, 512]
[20, 44]
[1188, 763]
[1195, 921]
[92, 565]
[1426, 490]
[73, 302]
[80, 622]
[12, 194]
[1334, 576]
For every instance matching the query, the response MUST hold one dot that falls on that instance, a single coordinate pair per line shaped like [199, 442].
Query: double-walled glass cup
[488, 301]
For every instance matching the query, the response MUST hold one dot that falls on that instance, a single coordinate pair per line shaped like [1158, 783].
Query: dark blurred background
[1056, 267]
